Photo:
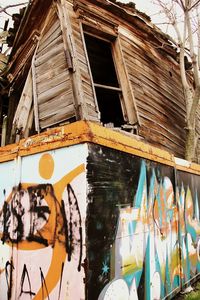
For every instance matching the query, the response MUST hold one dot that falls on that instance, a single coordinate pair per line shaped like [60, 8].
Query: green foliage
[195, 295]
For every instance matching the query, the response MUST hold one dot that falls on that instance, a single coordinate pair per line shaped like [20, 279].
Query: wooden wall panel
[53, 82]
[158, 93]
[86, 83]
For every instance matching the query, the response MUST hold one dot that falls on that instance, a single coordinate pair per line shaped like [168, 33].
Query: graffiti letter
[25, 275]
[44, 293]
[9, 277]
[72, 223]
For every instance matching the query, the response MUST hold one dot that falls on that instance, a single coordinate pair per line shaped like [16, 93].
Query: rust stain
[85, 131]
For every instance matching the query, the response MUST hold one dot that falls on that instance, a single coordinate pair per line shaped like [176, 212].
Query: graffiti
[128, 228]
[105, 268]
[147, 229]
[26, 213]
[151, 248]
[44, 286]
[25, 276]
[41, 232]
[72, 222]
[8, 270]
[25, 281]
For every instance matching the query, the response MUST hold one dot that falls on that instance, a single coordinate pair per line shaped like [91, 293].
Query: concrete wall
[42, 217]
[143, 227]
[90, 222]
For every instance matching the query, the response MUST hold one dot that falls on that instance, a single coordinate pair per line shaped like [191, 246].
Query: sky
[142, 5]
[4, 3]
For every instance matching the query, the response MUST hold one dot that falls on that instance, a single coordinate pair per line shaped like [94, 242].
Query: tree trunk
[190, 144]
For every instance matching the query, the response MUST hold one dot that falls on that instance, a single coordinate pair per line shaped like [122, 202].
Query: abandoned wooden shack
[97, 60]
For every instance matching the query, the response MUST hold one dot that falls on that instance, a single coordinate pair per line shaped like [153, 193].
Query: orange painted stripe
[89, 132]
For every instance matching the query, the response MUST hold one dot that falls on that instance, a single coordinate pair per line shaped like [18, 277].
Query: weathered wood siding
[53, 83]
[155, 82]
[158, 93]
[151, 79]
[88, 93]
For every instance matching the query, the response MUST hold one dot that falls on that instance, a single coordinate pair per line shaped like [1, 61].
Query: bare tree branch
[198, 35]
[195, 5]
[186, 33]
[4, 9]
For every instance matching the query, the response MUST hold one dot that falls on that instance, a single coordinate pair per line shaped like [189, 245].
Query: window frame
[101, 24]
[127, 99]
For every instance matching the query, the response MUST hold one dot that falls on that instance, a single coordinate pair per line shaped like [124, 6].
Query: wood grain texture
[158, 93]
[53, 82]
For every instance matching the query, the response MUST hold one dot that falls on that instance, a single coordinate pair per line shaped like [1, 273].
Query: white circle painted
[156, 286]
[116, 290]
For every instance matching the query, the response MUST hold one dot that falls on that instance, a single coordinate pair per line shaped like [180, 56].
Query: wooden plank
[159, 140]
[160, 136]
[55, 119]
[63, 11]
[35, 99]
[54, 91]
[23, 109]
[146, 52]
[57, 112]
[50, 53]
[112, 88]
[154, 85]
[127, 91]
[138, 60]
[53, 43]
[158, 101]
[45, 44]
[29, 123]
[152, 71]
[52, 82]
[54, 62]
[50, 74]
[162, 121]
[53, 31]
[54, 88]
[65, 99]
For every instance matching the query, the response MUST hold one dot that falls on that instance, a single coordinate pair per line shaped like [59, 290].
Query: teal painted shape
[187, 260]
[158, 269]
[147, 271]
[182, 198]
[142, 184]
[176, 282]
[198, 267]
[153, 181]
[135, 275]
[159, 204]
[191, 230]
[168, 286]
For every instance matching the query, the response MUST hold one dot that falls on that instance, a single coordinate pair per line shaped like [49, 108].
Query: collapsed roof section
[33, 19]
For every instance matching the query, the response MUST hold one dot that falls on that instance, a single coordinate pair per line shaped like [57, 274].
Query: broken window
[107, 89]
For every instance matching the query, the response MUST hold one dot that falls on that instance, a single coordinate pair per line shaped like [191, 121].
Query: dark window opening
[105, 80]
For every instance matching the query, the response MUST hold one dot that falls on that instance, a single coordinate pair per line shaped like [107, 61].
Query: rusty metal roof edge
[89, 132]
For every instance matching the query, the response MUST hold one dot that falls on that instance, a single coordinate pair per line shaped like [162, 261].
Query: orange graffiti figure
[51, 231]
